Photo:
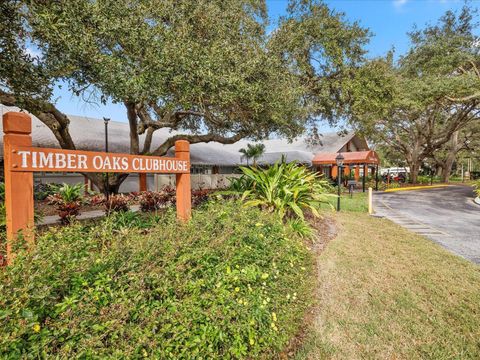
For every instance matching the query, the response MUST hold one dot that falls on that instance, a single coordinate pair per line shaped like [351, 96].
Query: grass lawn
[386, 293]
[356, 203]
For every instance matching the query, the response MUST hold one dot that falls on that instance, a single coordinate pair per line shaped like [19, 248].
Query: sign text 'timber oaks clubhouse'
[42, 159]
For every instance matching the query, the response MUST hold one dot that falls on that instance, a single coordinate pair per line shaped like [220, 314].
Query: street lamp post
[106, 120]
[339, 160]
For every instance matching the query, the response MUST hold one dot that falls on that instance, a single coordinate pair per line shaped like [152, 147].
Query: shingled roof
[88, 134]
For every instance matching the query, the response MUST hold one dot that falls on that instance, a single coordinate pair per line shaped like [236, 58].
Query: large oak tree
[206, 69]
[433, 91]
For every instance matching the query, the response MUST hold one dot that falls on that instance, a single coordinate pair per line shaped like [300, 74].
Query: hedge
[229, 284]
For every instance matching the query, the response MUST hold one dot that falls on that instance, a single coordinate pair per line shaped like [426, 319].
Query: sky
[388, 20]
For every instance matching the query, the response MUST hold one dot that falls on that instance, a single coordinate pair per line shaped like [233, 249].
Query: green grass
[356, 203]
[386, 293]
[232, 283]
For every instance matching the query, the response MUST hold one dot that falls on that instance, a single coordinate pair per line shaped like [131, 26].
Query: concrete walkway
[447, 216]
[88, 215]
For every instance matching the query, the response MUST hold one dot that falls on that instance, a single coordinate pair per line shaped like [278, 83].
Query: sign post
[21, 160]
[18, 185]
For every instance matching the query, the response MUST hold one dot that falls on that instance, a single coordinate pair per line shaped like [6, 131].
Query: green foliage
[285, 189]
[300, 228]
[43, 191]
[69, 193]
[476, 186]
[68, 199]
[432, 91]
[229, 284]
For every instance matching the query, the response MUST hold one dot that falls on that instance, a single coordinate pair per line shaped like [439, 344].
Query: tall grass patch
[229, 284]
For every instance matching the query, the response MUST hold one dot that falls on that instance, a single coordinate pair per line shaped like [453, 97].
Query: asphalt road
[446, 215]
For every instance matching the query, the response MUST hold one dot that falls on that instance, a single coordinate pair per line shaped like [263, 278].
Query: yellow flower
[237, 289]
[264, 275]
[261, 236]
[258, 224]
[144, 353]
[229, 270]
[36, 328]
[274, 316]
[252, 341]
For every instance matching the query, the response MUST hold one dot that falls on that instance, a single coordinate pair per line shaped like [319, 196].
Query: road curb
[477, 200]
[417, 188]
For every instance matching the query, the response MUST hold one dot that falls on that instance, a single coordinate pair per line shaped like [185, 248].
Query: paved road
[446, 215]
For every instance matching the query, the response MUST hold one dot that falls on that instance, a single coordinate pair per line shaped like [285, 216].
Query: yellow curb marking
[416, 188]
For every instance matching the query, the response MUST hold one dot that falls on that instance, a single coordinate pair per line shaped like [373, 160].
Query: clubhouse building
[211, 163]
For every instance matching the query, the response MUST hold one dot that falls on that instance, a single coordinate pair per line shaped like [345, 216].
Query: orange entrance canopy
[354, 157]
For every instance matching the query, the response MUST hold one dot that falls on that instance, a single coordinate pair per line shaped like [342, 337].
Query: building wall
[131, 184]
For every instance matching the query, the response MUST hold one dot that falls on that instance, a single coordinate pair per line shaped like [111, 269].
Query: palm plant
[285, 189]
[253, 152]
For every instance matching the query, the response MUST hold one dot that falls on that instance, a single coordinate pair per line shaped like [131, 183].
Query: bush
[68, 199]
[43, 191]
[116, 203]
[229, 284]
[285, 189]
[476, 186]
[152, 200]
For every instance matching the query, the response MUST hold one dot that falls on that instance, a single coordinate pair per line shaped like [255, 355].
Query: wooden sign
[21, 160]
[40, 159]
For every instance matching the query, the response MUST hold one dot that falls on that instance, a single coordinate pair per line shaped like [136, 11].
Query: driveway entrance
[446, 215]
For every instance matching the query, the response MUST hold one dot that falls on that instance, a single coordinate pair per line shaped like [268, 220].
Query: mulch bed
[45, 209]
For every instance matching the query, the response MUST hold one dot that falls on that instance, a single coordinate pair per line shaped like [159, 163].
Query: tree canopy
[206, 69]
[433, 90]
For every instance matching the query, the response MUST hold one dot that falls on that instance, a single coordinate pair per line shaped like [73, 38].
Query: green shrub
[67, 198]
[285, 189]
[476, 186]
[229, 284]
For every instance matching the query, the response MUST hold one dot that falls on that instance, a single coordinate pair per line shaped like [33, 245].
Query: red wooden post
[142, 179]
[18, 185]
[184, 195]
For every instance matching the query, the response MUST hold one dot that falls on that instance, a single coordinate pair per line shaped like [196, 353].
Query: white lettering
[135, 163]
[107, 164]
[116, 163]
[124, 163]
[71, 161]
[97, 162]
[45, 161]
[34, 159]
[60, 161]
[82, 161]
[24, 157]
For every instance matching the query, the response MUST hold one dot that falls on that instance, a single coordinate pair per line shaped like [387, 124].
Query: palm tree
[253, 151]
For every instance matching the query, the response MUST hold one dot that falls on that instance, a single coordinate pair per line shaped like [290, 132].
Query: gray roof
[88, 134]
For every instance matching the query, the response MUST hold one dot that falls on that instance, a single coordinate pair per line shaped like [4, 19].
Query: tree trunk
[414, 170]
[439, 170]
[114, 181]
[451, 156]
[448, 167]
